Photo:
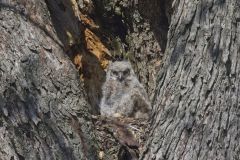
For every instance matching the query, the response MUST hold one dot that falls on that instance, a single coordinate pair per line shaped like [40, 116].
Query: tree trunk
[43, 111]
[196, 104]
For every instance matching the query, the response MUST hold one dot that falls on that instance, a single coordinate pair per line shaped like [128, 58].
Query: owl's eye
[114, 72]
[126, 72]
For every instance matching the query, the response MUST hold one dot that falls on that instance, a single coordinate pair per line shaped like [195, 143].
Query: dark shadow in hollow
[158, 12]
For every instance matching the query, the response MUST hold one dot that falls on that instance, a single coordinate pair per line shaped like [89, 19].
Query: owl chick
[122, 93]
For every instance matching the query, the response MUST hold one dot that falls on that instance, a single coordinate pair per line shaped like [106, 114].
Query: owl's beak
[120, 77]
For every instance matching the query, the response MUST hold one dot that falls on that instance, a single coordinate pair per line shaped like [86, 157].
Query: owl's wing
[141, 101]
[139, 91]
[107, 102]
[107, 90]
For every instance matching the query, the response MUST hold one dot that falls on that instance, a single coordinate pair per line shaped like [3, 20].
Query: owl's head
[120, 71]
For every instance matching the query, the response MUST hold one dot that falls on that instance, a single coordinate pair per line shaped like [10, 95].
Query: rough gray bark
[43, 111]
[196, 104]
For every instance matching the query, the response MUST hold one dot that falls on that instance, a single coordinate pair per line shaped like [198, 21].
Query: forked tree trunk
[196, 105]
[43, 109]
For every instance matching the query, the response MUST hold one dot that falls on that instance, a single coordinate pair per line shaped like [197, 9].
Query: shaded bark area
[43, 110]
[196, 104]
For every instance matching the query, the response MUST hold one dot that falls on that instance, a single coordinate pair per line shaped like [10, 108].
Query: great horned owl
[123, 94]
